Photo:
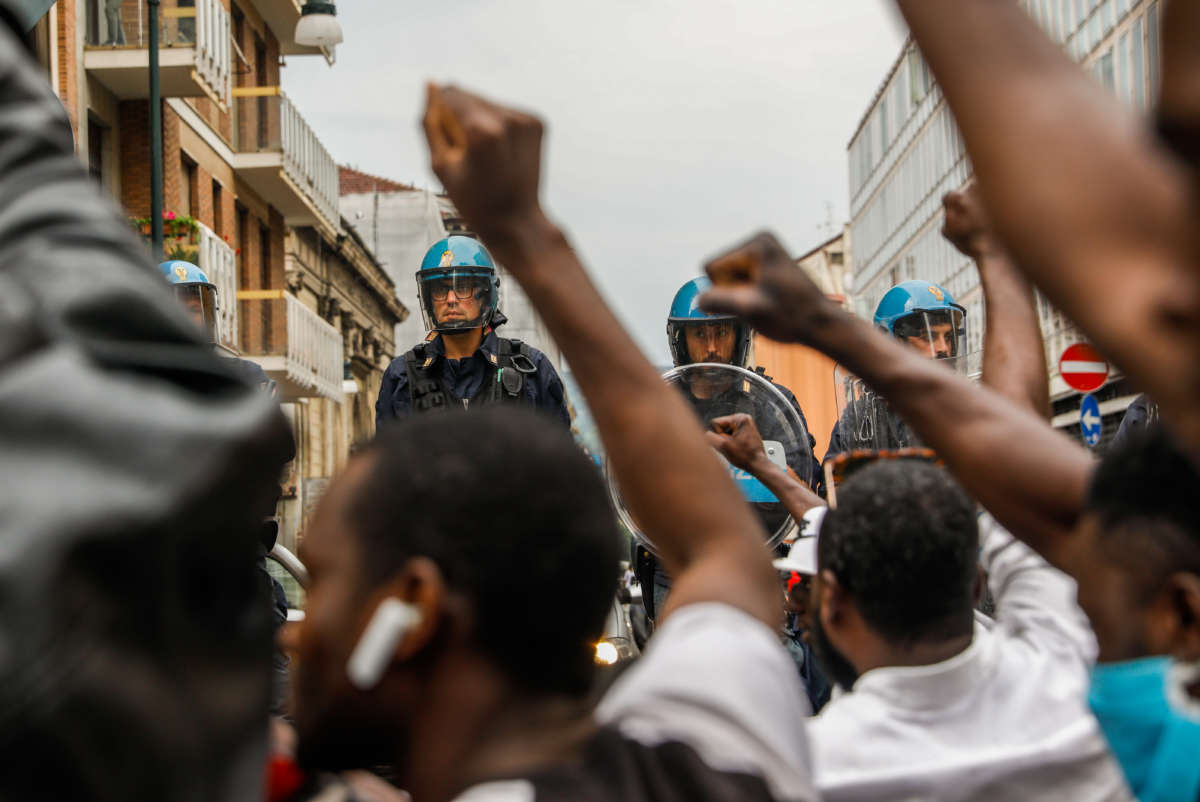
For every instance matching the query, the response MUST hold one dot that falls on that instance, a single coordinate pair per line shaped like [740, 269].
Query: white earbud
[393, 620]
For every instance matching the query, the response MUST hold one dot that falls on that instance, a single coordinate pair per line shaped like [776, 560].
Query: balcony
[280, 157]
[219, 263]
[194, 52]
[296, 348]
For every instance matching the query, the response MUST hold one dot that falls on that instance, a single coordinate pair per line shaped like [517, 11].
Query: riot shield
[866, 422]
[717, 390]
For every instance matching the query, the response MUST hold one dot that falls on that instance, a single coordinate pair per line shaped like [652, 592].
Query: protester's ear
[832, 599]
[418, 584]
[1184, 593]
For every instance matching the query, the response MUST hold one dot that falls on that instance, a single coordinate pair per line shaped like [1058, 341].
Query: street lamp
[318, 25]
[156, 139]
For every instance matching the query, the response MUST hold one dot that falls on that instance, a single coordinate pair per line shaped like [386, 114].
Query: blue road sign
[1090, 422]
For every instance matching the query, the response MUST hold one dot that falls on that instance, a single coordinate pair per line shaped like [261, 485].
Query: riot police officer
[694, 336]
[463, 362]
[198, 296]
[926, 317]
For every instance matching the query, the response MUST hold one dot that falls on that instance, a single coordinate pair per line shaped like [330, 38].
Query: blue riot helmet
[712, 330]
[457, 285]
[195, 292]
[926, 316]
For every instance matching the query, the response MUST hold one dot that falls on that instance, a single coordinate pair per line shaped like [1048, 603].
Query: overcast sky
[675, 127]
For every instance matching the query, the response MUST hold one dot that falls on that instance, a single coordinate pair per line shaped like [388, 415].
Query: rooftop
[356, 182]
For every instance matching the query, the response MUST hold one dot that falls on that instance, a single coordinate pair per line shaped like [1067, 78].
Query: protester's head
[497, 528]
[925, 317]
[458, 286]
[696, 336]
[1138, 561]
[897, 561]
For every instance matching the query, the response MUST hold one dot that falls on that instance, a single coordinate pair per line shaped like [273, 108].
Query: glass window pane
[1123, 67]
[1139, 66]
[1152, 49]
[1104, 68]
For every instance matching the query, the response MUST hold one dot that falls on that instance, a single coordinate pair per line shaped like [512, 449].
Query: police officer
[463, 362]
[198, 296]
[926, 317]
[694, 336]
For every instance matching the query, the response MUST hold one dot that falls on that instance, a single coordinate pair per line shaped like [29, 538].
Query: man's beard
[833, 663]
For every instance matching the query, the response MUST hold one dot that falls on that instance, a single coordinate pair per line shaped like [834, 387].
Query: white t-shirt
[1006, 719]
[713, 711]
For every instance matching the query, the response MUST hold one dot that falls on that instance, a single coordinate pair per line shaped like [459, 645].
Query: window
[96, 137]
[1123, 67]
[189, 196]
[1104, 70]
[1139, 66]
[218, 196]
[1106, 16]
[242, 234]
[264, 257]
[918, 76]
[884, 139]
[1152, 48]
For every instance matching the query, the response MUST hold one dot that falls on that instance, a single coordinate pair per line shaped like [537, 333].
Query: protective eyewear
[463, 288]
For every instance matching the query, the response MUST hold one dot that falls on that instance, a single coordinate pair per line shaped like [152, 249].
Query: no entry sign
[1082, 368]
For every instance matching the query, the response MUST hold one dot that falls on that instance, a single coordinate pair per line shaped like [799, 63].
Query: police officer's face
[710, 342]
[195, 309]
[938, 344]
[458, 303]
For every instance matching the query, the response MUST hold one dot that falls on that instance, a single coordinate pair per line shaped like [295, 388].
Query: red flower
[168, 215]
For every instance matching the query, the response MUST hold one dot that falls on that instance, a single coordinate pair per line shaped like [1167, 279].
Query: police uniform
[424, 379]
[501, 371]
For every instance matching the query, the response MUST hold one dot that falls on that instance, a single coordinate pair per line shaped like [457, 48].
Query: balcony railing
[193, 35]
[219, 263]
[294, 345]
[266, 123]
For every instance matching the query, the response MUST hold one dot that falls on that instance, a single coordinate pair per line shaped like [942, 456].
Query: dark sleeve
[808, 455]
[137, 470]
[551, 398]
[393, 393]
[837, 441]
[1133, 421]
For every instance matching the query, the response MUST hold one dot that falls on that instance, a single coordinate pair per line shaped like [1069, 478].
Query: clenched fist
[759, 282]
[488, 157]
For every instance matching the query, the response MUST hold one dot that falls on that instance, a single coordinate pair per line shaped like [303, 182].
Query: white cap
[802, 558]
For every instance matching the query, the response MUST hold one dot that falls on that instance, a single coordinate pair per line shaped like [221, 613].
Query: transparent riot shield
[717, 390]
[866, 422]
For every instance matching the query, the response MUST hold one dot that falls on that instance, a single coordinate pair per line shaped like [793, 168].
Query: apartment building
[907, 153]
[250, 194]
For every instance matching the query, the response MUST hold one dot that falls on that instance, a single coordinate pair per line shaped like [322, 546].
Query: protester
[1094, 209]
[463, 703]
[137, 468]
[1127, 533]
[738, 440]
[463, 361]
[942, 705]
[1014, 357]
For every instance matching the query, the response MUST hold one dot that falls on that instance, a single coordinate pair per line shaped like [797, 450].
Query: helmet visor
[200, 302]
[459, 298]
[937, 334]
[716, 340]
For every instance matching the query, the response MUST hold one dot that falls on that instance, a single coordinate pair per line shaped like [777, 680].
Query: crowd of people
[137, 636]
